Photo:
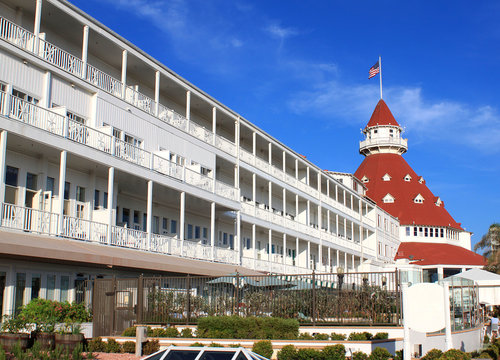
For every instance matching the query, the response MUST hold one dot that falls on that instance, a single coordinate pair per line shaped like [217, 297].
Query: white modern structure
[112, 164]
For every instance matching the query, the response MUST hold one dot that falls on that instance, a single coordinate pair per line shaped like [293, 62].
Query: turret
[383, 133]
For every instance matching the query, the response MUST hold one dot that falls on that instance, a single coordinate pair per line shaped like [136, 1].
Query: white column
[62, 181]
[308, 254]
[254, 143]
[296, 169]
[336, 193]
[36, 26]
[284, 248]
[236, 176]
[188, 109]
[254, 246]
[85, 50]
[297, 253]
[254, 188]
[212, 229]
[328, 221]
[344, 195]
[352, 231]
[270, 244]
[320, 255]
[3, 164]
[270, 198]
[307, 175]
[296, 207]
[182, 217]
[270, 153]
[284, 202]
[149, 219]
[329, 259]
[237, 241]
[353, 263]
[308, 213]
[336, 224]
[124, 72]
[111, 182]
[319, 183]
[346, 266]
[338, 258]
[157, 93]
[284, 161]
[345, 228]
[447, 315]
[47, 89]
[406, 328]
[214, 122]
[328, 187]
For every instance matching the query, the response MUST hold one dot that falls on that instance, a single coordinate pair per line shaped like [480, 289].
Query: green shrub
[334, 352]
[197, 344]
[128, 347]
[287, 352]
[321, 336]
[335, 336]
[264, 348]
[359, 355]
[361, 336]
[309, 354]
[77, 352]
[235, 327]
[398, 355]
[305, 336]
[171, 332]
[150, 347]
[130, 331]
[486, 339]
[432, 354]
[187, 333]
[454, 354]
[485, 355]
[158, 332]
[215, 345]
[380, 336]
[233, 345]
[492, 351]
[380, 353]
[96, 345]
[112, 346]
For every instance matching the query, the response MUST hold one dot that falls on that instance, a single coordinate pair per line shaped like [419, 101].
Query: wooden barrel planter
[68, 341]
[9, 340]
[47, 341]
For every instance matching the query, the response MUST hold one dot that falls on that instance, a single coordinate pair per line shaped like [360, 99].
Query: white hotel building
[113, 165]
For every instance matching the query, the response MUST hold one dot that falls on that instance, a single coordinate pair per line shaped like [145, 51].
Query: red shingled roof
[375, 166]
[435, 254]
[382, 116]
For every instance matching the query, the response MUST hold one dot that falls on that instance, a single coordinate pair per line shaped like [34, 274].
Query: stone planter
[9, 340]
[46, 340]
[68, 341]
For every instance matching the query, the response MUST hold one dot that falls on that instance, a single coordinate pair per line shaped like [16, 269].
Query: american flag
[374, 70]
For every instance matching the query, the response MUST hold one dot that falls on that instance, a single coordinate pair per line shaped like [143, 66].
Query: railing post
[188, 303]
[66, 127]
[140, 298]
[7, 103]
[314, 298]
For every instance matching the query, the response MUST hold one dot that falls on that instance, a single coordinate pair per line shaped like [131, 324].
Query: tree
[491, 243]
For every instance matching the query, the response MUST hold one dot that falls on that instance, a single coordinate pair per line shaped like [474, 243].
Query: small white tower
[383, 133]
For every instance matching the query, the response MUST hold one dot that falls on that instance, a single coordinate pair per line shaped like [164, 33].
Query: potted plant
[13, 332]
[43, 316]
[69, 335]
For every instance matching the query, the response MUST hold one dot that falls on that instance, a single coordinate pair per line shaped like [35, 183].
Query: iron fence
[350, 298]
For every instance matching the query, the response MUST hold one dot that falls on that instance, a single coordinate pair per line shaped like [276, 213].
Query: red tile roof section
[375, 166]
[382, 116]
[435, 254]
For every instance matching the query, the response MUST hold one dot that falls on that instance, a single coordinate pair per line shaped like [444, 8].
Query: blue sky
[299, 69]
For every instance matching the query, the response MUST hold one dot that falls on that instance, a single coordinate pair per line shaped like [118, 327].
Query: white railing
[225, 190]
[130, 238]
[261, 164]
[195, 178]
[140, 100]
[247, 157]
[27, 219]
[226, 255]
[60, 58]
[195, 250]
[167, 167]
[225, 145]
[104, 81]
[17, 35]
[34, 115]
[91, 137]
[82, 229]
[201, 133]
[387, 141]
[132, 153]
[171, 117]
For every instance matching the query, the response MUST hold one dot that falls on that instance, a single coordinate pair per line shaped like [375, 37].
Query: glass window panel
[11, 176]
[64, 288]
[31, 180]
[50, 184]
[20, 289]
[35, 286]
[51, 287]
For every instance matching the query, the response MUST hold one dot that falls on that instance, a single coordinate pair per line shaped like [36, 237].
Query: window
[156, 224]
[391, 133]
[105, 200]
[35, 286]
[365, 179]
[67, 187]
[205, 233]
[442, 232]
[50, 184]
[20, 289]
[77, 118]
[407, 231]
[51, 287]
[137, 216]
[125, 216]
[164, 224]
[31, 181]
[415, 231]
[386, 177]
[431, 232]
[197, 230]
[22, 95]
[224, 239]
[419, 199]
[231, 241]
[11, 176]
[144, 222]
[64, 296]
[388, 199]
[173, 226]
[117, 133]
[96, 199]
[407, 177]
[426, 232]
[189, 231]
[80, 194]
[133, 140]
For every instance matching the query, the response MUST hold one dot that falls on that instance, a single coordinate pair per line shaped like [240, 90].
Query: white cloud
[280, 32]
[443, 120]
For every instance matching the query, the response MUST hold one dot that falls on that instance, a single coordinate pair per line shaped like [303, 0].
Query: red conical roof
[438, 254]
[382, 116]
[376, 166]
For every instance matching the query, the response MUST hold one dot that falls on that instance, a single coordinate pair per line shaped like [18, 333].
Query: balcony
[54, 123]
[56, 56]
[42, 222]
[389, 142]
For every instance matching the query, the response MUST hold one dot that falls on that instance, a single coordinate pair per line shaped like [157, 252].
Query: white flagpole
[380, 67]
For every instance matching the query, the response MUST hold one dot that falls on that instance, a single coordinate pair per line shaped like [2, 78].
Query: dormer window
[421, 180]
[438, 202]
[419, 199]
[365, 179]
[407, 177]
[391, 132]
[388, 199]
[386, 177]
